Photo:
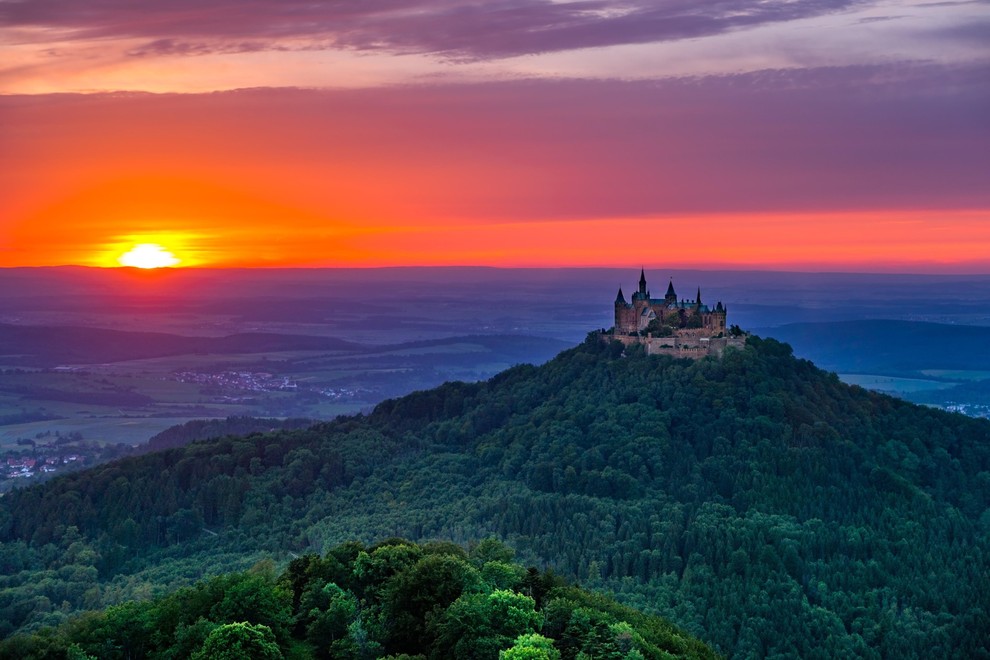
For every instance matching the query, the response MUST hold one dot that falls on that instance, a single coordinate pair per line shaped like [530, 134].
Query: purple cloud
[977, 32]
[457, 29]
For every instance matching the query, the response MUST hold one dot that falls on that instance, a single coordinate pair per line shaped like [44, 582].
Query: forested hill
[754, 500]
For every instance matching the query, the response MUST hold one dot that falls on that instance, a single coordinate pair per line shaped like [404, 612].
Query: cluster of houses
[22, 467]
[240, 380]
[969, 409]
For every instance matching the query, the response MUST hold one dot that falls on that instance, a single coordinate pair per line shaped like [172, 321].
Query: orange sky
[864, 169]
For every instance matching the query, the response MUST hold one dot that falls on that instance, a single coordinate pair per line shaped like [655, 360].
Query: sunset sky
[785, 134]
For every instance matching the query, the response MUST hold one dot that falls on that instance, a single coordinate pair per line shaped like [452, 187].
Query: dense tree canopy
[334, 607]
[755, 500]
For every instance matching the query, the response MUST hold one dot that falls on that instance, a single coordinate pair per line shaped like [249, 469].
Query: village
[250, 381]
[225, 383]
[51, 454]
[24, 467]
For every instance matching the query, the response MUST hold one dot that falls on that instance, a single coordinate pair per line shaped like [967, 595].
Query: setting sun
[148, 255]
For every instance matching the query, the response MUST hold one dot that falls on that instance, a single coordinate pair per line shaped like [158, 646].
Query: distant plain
[119, 355]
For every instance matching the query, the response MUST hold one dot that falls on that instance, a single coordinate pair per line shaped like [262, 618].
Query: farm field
[94, 409]
[894, 384]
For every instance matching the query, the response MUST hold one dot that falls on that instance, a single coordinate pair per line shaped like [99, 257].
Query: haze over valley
[100, 361]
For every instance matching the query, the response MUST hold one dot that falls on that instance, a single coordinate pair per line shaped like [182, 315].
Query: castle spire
[620, 299]
[642, 281]
[671, 296]
[697, 300]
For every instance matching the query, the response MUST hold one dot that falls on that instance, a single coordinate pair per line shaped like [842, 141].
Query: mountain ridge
[754, 500]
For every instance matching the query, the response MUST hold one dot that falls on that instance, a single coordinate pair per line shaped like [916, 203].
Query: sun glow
[148, 255]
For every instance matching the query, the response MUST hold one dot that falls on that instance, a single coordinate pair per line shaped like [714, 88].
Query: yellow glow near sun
[148, 255]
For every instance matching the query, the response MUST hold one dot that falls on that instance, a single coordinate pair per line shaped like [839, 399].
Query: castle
[646, 313]
[686, 328]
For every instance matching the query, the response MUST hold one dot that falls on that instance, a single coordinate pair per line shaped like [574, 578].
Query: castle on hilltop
[645, 313]
[668, 325]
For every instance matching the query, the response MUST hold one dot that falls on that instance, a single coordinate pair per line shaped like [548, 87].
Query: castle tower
[642, 281]
[718, 317]
[625, 314]
[671, 297]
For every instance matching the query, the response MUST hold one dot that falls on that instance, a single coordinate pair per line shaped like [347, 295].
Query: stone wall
[685, 343]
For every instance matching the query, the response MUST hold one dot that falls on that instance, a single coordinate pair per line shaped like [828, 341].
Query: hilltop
[753, 499]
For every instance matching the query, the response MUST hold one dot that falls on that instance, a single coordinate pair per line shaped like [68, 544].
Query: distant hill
[887, 346]
[181, 435]
[754, 500]
[49, 346]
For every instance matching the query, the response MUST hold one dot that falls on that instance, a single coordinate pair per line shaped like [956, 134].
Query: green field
[893, 384]
[130, 401]
[112, 430]
[957, 375]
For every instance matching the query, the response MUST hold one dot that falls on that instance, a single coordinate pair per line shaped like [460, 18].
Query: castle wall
[632, 318]
[625, 319]
[693, 346]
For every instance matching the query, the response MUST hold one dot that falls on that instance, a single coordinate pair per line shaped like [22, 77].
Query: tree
[254, 597]
[480, 625]
[240, 641]
[491, 549]
[426, 588]
[530, 647]
[658, 328]
[328, 612]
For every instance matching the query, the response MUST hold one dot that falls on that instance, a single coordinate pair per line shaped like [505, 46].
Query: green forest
[395, 599]
[754, 500]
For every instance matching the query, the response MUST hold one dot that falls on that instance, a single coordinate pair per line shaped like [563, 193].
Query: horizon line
[725, 268]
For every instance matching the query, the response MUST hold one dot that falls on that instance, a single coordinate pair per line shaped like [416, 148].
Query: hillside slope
[754, 500]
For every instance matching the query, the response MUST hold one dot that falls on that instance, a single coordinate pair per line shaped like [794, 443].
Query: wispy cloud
[976, 32]
[880, 19]
[171, 47]
[456, 29]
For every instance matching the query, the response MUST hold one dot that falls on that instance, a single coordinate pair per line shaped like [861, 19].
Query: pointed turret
[718, 307]
[642, 281]
[697, 301]
[671, 296]
[620, 299]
